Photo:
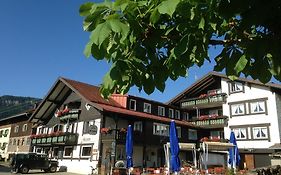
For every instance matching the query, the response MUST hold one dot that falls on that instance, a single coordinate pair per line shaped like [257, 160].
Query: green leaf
[168, 7]
[202, 23]
[101, 32]
[119, 27]
[182, 46]
[213, 25]
[241, 64]
[192, 13]
[155, 16]
[88, 49]
[97, 52]
[85, 8]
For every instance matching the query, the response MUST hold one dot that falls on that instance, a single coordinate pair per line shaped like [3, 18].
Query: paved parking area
[5, 170]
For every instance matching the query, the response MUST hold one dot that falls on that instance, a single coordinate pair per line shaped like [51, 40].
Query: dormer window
[147, 107]
[235, 87]
[171, 113]
[133, 104]
[161, 111]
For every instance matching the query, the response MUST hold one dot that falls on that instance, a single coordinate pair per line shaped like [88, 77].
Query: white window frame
[178, 131]
[177, 114]
[24, 128]
[185, 116]
[260, 128]
[147, 107]
[239, 131]
[60, 127]
[192, 134]
[53, 152]
[160, 129]
[161, 111]
[241, 106]
[138, 126]
[135, 105]
[259, 105]
[85, 147]
[66, 148]
[171, 113]
[16, 129]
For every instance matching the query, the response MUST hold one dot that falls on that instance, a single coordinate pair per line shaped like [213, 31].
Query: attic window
[133, 104]
[235, 87]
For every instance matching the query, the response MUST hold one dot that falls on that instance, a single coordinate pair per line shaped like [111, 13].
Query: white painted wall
[253, 92]
[3, 139]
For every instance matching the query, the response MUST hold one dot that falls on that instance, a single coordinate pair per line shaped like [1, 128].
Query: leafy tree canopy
[148, 42]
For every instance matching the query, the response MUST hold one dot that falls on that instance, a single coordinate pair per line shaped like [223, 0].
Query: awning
[217, 146]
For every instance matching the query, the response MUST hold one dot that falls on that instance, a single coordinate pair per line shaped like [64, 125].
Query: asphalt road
[5, 170]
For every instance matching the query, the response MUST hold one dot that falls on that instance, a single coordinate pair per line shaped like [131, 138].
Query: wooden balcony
[121, 136]
[204, 101]
[210, 122]
[59, 139]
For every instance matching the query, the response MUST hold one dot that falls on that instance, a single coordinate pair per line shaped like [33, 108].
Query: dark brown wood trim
[229, 86]
[248, 101]
[230, 109]
[248, 112]
[251, 131]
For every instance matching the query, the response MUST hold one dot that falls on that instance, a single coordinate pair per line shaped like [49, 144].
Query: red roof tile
[90, 92]
[141, 114]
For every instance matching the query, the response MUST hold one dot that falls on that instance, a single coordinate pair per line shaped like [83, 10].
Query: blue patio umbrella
[129, 147]
[174, 147]
[234, 157]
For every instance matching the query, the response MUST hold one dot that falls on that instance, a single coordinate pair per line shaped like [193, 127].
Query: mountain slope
[11, 105]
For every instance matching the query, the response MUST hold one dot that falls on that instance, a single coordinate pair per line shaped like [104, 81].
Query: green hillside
[11, 105]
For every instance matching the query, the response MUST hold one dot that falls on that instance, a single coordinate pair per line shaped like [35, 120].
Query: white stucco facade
[76, 162]
[4, 141]
[249, 121]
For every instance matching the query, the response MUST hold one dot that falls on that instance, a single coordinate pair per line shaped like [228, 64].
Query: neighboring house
[81, 129]
[15, 134]
[21, 130]
[4, 140]
[249, 108]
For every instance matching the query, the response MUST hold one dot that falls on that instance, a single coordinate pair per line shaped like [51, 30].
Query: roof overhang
[54, 98]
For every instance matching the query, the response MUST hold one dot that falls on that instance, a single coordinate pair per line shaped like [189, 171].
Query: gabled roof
[209, 78]
[63, 88]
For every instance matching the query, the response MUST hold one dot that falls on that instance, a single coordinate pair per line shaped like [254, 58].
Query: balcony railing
[56, 139]
[204, 100]
[121, 136]
[210, 122]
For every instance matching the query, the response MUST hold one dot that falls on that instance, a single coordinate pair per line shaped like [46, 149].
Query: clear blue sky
[42, 40]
